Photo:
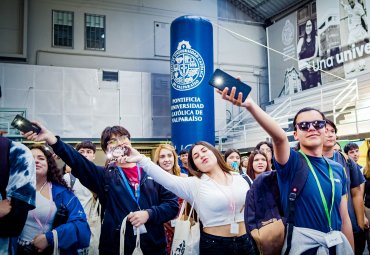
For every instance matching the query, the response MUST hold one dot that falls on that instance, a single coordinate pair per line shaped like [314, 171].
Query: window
[63, 29]
[110, 76]
[95, 32]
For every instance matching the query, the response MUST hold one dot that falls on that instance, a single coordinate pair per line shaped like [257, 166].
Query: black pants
[218, 245]
[360, 240]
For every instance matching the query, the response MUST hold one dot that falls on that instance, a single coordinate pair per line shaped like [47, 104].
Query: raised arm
[87, 172]
[183, 187]
[279, 138]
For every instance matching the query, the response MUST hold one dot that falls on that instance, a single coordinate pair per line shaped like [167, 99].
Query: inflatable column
[192, 98]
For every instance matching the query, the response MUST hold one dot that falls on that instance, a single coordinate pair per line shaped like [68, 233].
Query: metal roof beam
[244, 7]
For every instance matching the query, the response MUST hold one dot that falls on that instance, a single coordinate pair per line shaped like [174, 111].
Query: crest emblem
[287, 35]
[187, 67]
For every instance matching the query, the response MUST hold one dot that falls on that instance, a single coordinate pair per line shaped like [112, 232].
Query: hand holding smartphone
[24, 125]
[222, 80]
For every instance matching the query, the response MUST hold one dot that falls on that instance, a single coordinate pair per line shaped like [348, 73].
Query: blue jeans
[218, 245]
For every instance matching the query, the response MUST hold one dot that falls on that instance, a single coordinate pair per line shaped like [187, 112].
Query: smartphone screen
[221, 80]
[24, 125]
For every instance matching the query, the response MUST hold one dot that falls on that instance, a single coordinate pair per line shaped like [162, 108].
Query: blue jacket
[75, 234]
[117, 203]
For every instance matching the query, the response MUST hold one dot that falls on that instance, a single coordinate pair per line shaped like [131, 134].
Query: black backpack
[264, 216]
[4, 164]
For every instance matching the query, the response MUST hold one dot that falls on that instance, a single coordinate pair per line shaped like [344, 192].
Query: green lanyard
[328, 215]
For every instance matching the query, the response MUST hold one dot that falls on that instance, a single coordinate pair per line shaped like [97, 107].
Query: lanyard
[42, 227]
[136, 197]
[328, 214]
[232, 203]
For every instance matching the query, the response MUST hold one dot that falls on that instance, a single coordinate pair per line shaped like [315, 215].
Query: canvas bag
[264, 217]
[137, 250]
[187, 233]
[94, 221]
[55, 237]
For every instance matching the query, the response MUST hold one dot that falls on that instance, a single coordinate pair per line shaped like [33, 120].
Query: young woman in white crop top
[217, 193]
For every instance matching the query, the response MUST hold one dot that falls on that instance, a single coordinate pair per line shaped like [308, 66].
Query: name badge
[142, 229]
[333, 238]
[234, 228]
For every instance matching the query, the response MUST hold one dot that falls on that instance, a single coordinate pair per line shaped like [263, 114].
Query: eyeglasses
[305, 125]
[117, 140]
[267, 150]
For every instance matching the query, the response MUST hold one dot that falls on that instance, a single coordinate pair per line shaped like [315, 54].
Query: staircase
[346, 103]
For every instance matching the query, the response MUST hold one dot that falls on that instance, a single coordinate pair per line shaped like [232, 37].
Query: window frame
[85, 32]
[53, 30]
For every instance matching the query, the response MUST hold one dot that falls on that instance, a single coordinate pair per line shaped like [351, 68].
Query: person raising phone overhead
[321, 215]
[123, 189]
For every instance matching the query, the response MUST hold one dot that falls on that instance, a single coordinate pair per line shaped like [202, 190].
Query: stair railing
[349, 93]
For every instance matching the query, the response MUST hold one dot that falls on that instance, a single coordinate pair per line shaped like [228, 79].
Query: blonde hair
[367, 164]
[176, 167]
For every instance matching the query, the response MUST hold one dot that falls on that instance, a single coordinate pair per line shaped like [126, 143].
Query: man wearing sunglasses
[123, 190]
[321, 217]
[355, 186]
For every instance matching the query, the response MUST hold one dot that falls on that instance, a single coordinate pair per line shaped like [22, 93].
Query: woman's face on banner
[308, 27]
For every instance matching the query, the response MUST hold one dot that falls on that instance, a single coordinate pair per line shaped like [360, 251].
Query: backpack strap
[4, 165]
[299, 180]
[72, 180]
[246, 177]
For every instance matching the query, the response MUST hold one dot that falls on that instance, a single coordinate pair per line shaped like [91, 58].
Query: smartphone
[222, 80]
[24, 125]
[118, 151]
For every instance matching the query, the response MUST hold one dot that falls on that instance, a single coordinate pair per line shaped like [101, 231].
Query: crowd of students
[330, 213]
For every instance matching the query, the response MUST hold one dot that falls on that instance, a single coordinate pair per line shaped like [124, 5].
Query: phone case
[24, 125]
[221, 80]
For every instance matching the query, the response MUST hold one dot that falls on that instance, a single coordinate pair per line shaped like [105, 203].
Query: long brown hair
[220, 161]
[176, 167]
[54, 174]
[367, 164]
[250, 169]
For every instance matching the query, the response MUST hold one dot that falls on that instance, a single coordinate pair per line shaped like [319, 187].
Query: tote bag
[137, 250]
[55, 237]
[95, 227]
[187, 233]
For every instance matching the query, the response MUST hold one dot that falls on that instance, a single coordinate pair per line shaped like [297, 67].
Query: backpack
[4, 165]
[264, 216]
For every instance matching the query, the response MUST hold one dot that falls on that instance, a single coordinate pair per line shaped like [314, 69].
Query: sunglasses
[305, 125]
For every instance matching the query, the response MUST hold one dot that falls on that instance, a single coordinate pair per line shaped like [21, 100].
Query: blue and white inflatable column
[192, 99]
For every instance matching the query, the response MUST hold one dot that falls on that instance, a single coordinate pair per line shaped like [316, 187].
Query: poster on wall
[283, 69]
[354, 37]
[328, 20]
[332, 43]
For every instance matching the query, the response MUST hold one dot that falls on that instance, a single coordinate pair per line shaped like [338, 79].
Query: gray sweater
[304, 239]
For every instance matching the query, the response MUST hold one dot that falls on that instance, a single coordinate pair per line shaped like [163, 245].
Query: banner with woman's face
[330, 35]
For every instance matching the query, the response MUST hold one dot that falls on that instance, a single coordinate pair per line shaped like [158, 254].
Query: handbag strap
[95, 210]
[122, 237]
[55, 237]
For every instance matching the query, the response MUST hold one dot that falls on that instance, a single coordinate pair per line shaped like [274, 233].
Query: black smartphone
[24, 125]
[221, 80]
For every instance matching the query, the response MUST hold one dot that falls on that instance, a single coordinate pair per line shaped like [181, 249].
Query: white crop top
[213, 201]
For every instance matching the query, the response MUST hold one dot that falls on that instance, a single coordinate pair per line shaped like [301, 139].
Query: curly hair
[54, 174]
